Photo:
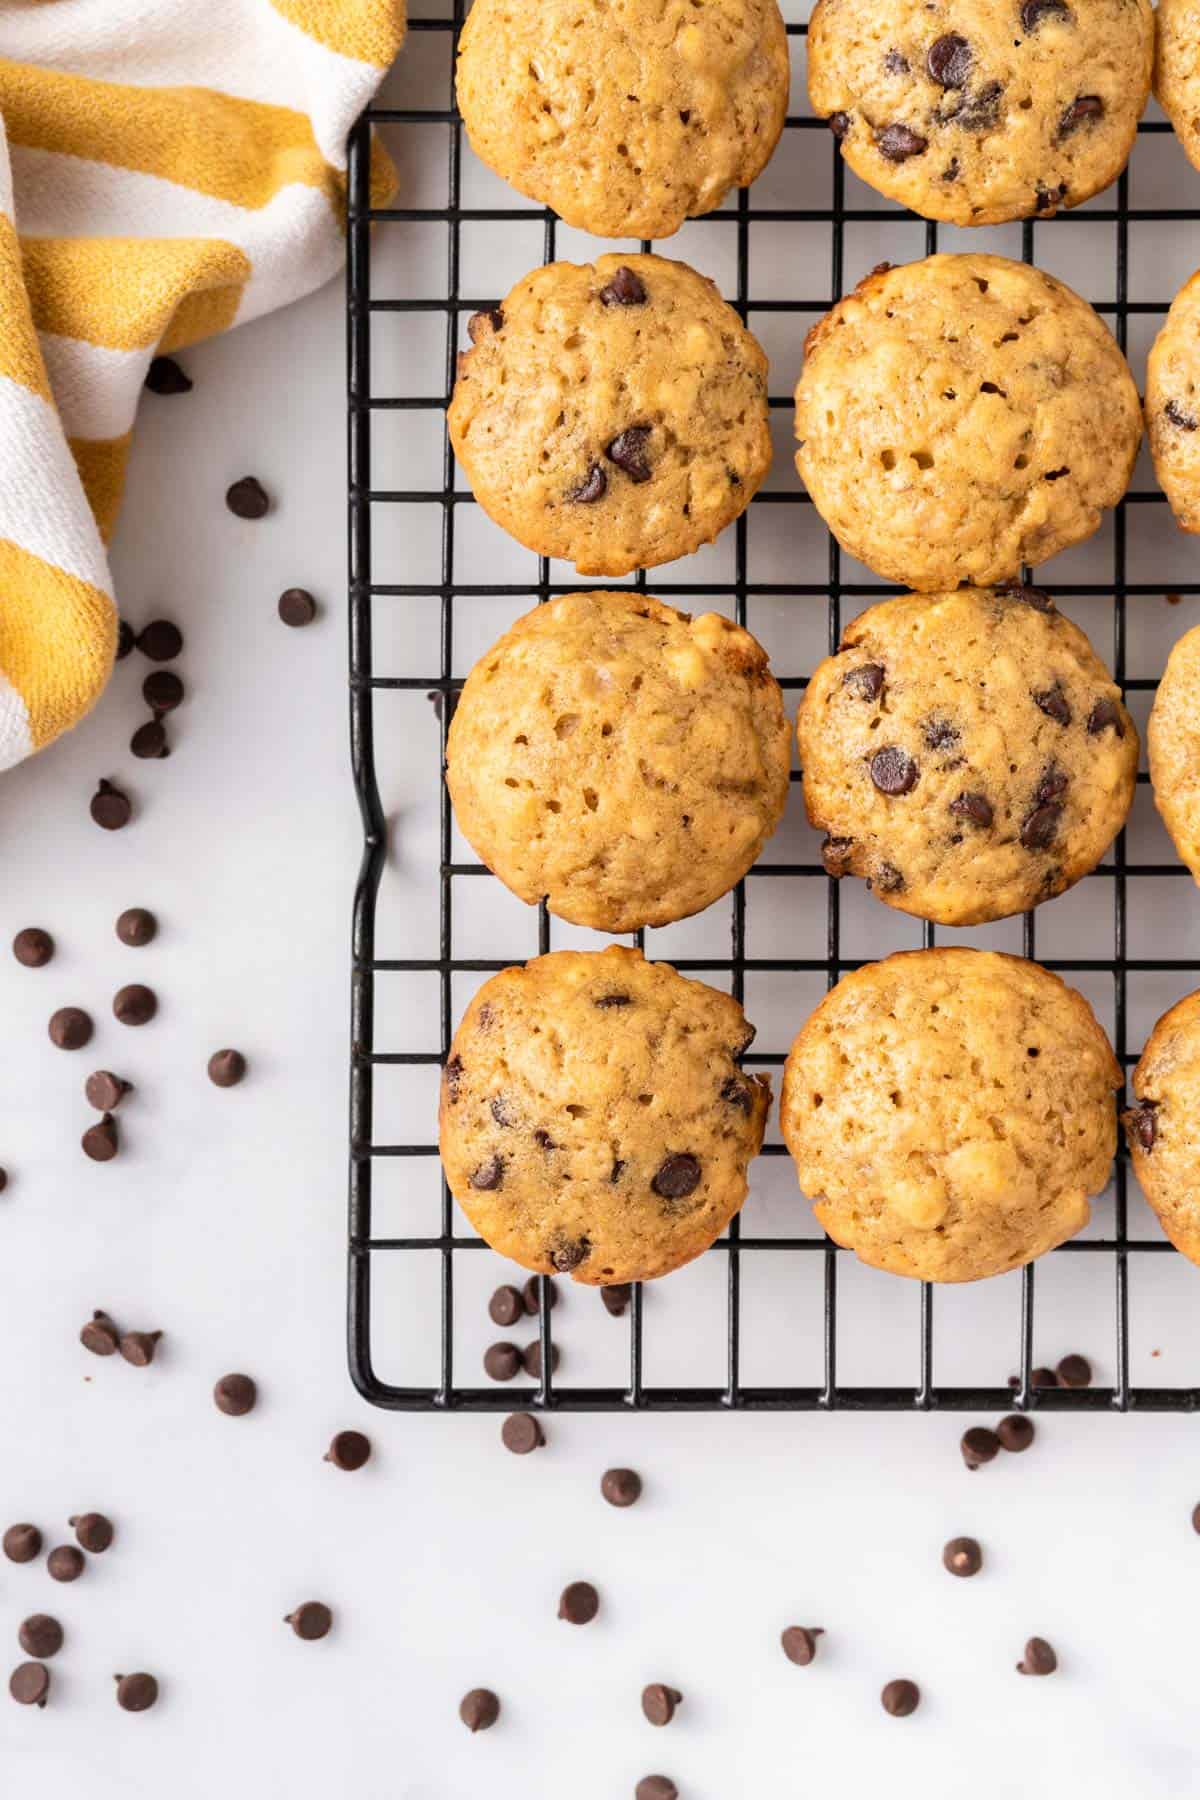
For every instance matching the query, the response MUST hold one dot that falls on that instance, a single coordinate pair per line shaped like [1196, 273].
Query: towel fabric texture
[168, 168]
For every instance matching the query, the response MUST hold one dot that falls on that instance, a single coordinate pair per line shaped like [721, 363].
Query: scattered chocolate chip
[29, 1684]
[1040, 827]
[616, 1297]
[65, 1563]
[125, 640]
[3, 1180]
[297, 607]
[866, 681]
[656, 1787]
[134, 1004]
[149, 741]
[161, 640]
[839, 124]
[39, 1635]
[977, 111]
[349, 1450]
[1105, 714]
[897, 143]
[569, 1253]
[248, 498]
[482, 324]
[1039, 1658]
[138, 1347]
[235, 1395]
[110, 808]
[162, 690]
[137, 1692]
[962, 1556]
[104, 1090]
[22, 1543]
[659, 1702]
[1074, 1372]
[164, 376]
[1034, 11]
[623, 290]
[893, 771]
[975, 807]
[1044, 1378]
[621, 1487]
[226, 1068]
[479, 1709]
[835, 855]
[501, 1361]
[1085, 106]
[593, 487]
[899, 1698]
[506, 1306]
[978, 1446]
[521, 1433]
[70, 1028]
[137, 927]
[531, 1295]
[628, 452]
[1016, 1432]
[1178, 416]
[488, 1175]
[93, 1530]
[1195, 1527]
[1142, 1123]
[1054, 703]
[677, 1177]
[99, 1335]
[531, 1358]
[33, 947]
[310, 1621]
[1036, 597]
[949, 61]
[613, 1000]
[578, 1603]
[100, 1142]
[800, 1643]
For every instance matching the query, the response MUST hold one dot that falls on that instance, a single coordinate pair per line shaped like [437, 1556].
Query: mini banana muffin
[977, 111]
[960, 416]
[950, 1112]
[1173, 743]
[1173, 405]
[612, 413]
[1177, 70]
[594, 1121]
[968, 753]
[623, 760]
[1163, 1125]
[626, 118]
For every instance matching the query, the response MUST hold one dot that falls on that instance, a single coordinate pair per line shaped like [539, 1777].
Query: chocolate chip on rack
[616, 1297]
[506, 1306]
[531, 1359]
[501, 1361]
[531, 1294]
[1074, 1372]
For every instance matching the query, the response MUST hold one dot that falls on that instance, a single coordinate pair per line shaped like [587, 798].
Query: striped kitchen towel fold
[168, 168]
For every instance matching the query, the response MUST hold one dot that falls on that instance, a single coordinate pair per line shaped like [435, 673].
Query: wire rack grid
[369, 583]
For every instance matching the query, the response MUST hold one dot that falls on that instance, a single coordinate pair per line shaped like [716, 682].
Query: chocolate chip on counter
[482, 324]
[297, 607]
[949, 60]
[677, 1176]
[137, 927]
[656, 1787]
[161, 640]
[136, 1692]
[501, 1361]
[3, 1180]
[226, 1068]
[976, 807]
[33, 947]
[489, 1175]
[616, 1297]
[65, 1563]
[100, 1335]
[29, 1684]
[897, 143]
[310, 1621]
[22, 1543]
[1016, 1433]
[866, 681]
[623, 290]
[900, 1698]
[139, 1347]
[978, 1446]
[839, 124]
[125, 640]
[578, 1603]
[1082, 108]
[349, 1450]
[531, 1359]
[1054, 703]
[1074, 1372]
[659, 1702]
[248, 498]
[531, 1295]
[110, 808]
[104, 1090]
[1034, 11]
[628, 452]
[1180, 417]
[1044, 1378]
[1195, 1527]
[506, 1306]
[1039, 1658]
[1142, 1123]
[479, 1709]
[800, 1643]
[235, 1395]
[164, 376]
[93, 1530]
[100, 1142]
[149, 741]
[162, 690]
[521, 1433]
[135, 1004]
[621, 1487]
[893, 771]
[1105, 714]
[39, 1635]
[70, 1028]
[962, 1556]
[1036, 597]
[593, 487]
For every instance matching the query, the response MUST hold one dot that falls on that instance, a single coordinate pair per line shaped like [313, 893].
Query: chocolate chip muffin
[960, 416]
[623, 760]
[978, 111]
[968, 753]
[1173, 742]
[1177, 70]
[1160, 1126]
[613, 413]
[950, 1112]
[626, 118]
[1173, 403]
[594, 1121]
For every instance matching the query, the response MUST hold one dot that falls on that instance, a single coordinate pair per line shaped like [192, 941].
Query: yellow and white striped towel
[168, 168]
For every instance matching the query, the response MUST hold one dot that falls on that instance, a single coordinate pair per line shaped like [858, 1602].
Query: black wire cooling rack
[369, 690]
